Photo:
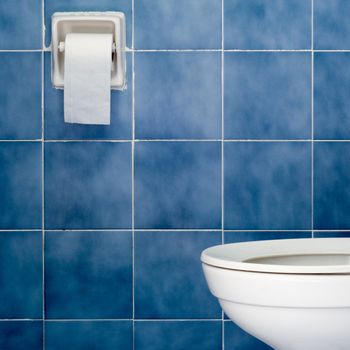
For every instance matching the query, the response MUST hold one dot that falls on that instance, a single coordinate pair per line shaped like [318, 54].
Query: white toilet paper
[87, 78]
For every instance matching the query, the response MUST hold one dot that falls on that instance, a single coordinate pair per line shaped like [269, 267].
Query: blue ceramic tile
[88, 274]
[20, 24]
[267, 96]
[52, 6]
[237, 339]
[20, 275]
[236, 237]
[331, 24]
[178, 95]
[121, 114]
[174, 335]
[178, 185]
[169, 281]
[330, 234]
[331, 96]
[20, 185]
[266, 24]
[178, 24]
[87, 185]
[267, 185]
[332, 186]
[101, 335]
[21, 335]
[20, 96]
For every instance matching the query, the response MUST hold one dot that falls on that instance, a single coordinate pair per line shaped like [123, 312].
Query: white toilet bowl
[292, 294]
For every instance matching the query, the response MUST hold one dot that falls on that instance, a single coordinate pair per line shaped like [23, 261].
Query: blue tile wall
[21, 335]
[154, 252]
[194, 24]
[176, 335]
[102, 335]
[177, 185]
[267, 95]
[104, 262]
[178, 95]
[234, 127]
[20, 96]
[265, 24]
[268, 185]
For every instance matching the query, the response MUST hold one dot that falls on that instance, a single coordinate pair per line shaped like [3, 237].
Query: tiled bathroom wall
[235, 126]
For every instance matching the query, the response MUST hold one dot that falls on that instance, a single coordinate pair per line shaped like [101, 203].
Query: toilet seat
[290, 256]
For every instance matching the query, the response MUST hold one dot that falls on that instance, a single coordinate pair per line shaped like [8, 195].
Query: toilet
[292, 294]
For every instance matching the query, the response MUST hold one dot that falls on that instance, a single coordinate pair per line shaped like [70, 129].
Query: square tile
[267, 95]
[332, 234]
[21, 335]
[101, 335]
[52, 6]
[172, 335]
[178, 185]
[20, 97]
[331, 96]
[266, 24]
[246, 236]
[20, 185]
[169, 281]
[21, 275]
[88, 275]
[331, 24]
[87, 185]
[237, 339]
[178, 95]
[267, 185]
[121, 113]
[20, 25]
[178, 24]
[332, 186]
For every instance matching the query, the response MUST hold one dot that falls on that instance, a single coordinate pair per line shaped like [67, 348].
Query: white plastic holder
[89, 22]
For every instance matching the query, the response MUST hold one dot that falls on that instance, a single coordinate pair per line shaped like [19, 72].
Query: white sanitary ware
[292, 294]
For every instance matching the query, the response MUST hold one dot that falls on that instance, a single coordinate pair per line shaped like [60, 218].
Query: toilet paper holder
[89, 22]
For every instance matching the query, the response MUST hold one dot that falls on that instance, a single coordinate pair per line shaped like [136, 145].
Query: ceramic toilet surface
[299, 256]
[291, 294]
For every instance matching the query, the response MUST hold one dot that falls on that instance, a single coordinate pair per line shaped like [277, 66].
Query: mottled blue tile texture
[21, 335]
[332, 103]
[20, 24]
[20, 185]
[95, 270]
[20, 275]
[102, 335]
[102, 227]
[178, 335]
[20, 95]
[332, 185]
[266, 24]
[178, 24]
[178, 95]
[267, 96]
[88, 185]
[267, 186]
[181, 293]
[331, 24]
[178, 185]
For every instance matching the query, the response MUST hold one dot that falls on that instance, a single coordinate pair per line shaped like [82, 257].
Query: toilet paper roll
[87, 78]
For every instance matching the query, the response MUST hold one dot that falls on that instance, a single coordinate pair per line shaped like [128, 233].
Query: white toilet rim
[288, 256]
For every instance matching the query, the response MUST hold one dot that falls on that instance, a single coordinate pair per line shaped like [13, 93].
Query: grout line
[312, 118]
[128, 50]
[133, 170]
[172, 230]
[178, 140]
[222, 146]
[43, 164]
